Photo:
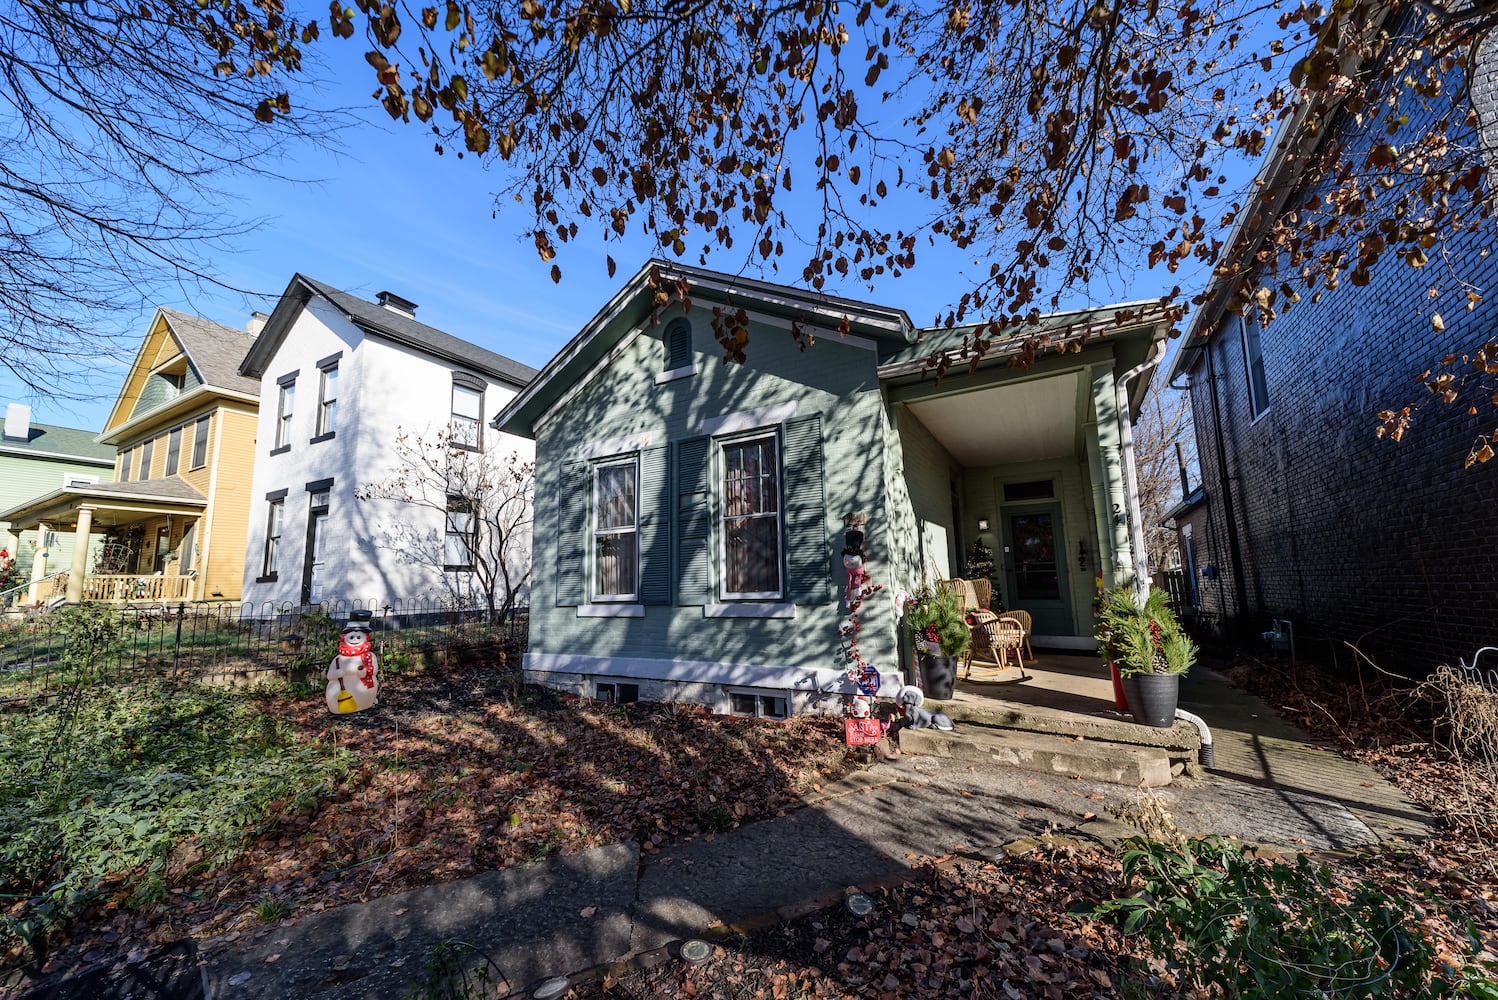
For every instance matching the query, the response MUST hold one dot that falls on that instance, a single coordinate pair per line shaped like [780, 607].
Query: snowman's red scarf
[366, 660]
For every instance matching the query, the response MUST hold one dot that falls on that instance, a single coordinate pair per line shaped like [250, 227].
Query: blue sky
[386, 212]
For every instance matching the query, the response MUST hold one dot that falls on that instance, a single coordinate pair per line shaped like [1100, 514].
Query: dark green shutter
[807, 560]
[655, 528]
[572, 535]
[694, 583]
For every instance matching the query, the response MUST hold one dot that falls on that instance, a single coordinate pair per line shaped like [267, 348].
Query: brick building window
[1253, 364]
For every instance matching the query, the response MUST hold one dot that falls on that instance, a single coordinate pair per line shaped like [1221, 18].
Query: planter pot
[938, 675]
[1153, 698]
[1121, 702]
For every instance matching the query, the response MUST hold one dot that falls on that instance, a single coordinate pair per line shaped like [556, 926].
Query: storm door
[1035, 567]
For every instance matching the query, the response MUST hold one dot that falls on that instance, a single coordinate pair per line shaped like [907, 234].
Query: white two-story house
[342, 380]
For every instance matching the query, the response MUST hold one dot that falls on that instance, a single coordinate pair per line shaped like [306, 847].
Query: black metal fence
[234, 642]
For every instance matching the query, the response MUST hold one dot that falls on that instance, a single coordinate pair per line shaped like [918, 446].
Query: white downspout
[1131, 470]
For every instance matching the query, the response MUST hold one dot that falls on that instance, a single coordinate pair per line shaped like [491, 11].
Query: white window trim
[748, 420]
[610, 447]
[750, 609]
[766, 597]
[618, 610]
[74, 479]
[285, 409]
[686, 371]
[633, 461]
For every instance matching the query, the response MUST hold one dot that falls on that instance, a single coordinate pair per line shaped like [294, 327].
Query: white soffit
[1016, 422]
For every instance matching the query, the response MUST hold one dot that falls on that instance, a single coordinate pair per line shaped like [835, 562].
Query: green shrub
[1233, 925]
[151, 781]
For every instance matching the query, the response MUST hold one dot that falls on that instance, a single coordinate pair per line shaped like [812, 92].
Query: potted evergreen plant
[939, 626]
[1145, 641]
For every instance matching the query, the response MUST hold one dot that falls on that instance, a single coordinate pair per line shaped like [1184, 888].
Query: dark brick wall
[1390, 546]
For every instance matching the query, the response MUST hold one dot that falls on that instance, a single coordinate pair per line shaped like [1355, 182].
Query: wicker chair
[1023, 617]
[994, 639]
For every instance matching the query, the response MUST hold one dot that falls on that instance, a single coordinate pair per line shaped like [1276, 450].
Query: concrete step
[1184, 739]
[1136, 766]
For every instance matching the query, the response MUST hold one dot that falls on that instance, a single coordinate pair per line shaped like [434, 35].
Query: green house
[691, 511]
[39, 458]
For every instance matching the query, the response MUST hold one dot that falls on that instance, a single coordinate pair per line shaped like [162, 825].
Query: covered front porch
[1029, 463]
[132, 543]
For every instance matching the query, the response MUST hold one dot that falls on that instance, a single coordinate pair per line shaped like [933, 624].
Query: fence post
[177, 648]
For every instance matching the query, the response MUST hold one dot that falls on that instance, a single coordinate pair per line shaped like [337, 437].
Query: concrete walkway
[1271, 787]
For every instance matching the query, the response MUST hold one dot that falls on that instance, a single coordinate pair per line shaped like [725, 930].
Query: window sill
[749, 609]
[281, 450]
[676, 373]
[324, 437]
[620, 610]
[270, 578]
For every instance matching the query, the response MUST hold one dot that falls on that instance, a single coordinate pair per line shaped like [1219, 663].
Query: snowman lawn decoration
[353, 676]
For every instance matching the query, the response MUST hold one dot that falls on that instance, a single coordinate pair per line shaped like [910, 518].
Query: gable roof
[378, 320]
[213, 349]
[633, 304]
[67, 443]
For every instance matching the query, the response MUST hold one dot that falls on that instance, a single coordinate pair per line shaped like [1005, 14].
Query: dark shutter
[572, 535]
[693, 523]
[678, 344]
[808, 562]
[655, 528]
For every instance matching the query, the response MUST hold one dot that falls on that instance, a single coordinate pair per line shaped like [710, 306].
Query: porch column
[80, 555]
[39, 563]
[1115, 508]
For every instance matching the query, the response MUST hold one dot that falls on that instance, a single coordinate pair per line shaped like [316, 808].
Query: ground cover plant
[462, 769]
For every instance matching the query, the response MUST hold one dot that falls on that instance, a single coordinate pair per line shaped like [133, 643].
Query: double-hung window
[616, 518]
[173, 451]
[126, 457]
[273, 535]
[467, 415]
[200, 443]
[751, 528]
[458, 537]
[327, 402]
[1253, 363]
[284, 408]
[145, 459]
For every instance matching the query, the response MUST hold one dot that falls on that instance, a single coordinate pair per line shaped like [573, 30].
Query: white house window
[327, 406]
[173, 451]
[458, 537]
[1253, 363]
[200, 443]
[72, 479]
[751, 518]
[273, 535]
[283, 414]
[615, 540]
[764, 706]
[467, 416]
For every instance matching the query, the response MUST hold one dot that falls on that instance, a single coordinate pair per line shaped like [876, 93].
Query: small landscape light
[859, 904]
[696, 951]
[552, 988]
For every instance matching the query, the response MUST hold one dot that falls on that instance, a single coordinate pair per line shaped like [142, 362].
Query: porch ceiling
[1012, 422]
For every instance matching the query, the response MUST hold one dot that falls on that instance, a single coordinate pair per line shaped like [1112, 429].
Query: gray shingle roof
[406, 330]
[166, 488]
[69, 441]
[214, 349]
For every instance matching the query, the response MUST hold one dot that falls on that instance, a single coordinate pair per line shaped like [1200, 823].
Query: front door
[1035, 567]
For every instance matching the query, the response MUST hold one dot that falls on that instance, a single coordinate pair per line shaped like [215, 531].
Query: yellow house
[174, 521]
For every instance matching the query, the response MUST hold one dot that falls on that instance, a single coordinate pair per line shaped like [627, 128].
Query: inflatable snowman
[353, 676]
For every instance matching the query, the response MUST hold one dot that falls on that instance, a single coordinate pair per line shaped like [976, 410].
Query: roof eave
[187, 401]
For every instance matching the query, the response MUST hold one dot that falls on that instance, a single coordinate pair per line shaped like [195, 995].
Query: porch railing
[126, 588]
